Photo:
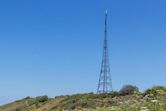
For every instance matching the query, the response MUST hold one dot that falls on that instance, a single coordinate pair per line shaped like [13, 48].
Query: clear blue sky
[54, 47]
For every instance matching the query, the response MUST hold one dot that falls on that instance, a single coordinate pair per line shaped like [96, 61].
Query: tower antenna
[105, 81]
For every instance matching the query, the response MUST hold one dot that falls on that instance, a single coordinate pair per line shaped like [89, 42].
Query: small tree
[128, 90]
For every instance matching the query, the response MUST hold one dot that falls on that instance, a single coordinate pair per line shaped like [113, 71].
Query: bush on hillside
[128, 90]
[155, 90]
[41, 98]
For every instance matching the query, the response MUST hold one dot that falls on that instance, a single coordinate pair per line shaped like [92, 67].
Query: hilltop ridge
[127, 99]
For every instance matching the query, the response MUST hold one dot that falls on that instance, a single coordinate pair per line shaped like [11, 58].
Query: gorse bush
[128, 90]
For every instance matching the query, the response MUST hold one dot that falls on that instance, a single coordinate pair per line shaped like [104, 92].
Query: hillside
[153, 99]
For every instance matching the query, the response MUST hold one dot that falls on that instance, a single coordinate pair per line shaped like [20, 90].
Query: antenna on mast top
[106, 11]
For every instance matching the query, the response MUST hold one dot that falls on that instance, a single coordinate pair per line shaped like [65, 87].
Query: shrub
[155, 90]
[128, 90]
[41, 98]
[159, 88]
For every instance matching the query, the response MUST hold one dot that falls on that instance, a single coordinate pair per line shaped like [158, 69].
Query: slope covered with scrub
[153, 99]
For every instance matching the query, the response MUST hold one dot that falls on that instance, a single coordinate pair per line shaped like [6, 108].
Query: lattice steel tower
[105, 81]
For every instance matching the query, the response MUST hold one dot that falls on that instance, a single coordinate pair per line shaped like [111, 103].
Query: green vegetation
[127, 99]
[129, 89]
